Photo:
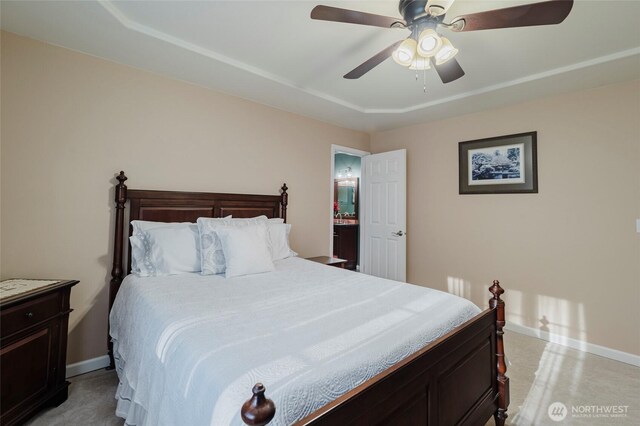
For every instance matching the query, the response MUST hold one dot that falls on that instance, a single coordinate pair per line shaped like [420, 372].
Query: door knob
[399, 233]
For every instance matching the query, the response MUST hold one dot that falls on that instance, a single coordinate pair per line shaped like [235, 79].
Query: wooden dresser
[33, 346]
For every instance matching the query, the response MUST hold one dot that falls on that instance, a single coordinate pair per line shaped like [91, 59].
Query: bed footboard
[457, 379]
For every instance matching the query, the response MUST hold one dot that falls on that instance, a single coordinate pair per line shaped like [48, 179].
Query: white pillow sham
[164, 248]
[211, 252]
[245, 249]
[278, 241]
[137, 240]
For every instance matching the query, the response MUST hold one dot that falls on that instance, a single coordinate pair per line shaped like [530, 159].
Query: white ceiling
[273, 53]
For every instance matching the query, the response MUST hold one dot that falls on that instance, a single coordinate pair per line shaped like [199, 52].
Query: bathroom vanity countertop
[343, 222]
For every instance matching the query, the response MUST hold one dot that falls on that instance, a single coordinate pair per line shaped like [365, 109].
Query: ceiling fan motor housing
[413, 10]
[416, 17]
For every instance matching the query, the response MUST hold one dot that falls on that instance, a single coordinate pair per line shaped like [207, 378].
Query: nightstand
[331, 261]
[34, 316]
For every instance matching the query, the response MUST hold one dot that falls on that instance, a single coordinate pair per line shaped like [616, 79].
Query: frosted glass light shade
[446, 52]
[420, 63]
[429, 43]
[405, 53]
[438, 7]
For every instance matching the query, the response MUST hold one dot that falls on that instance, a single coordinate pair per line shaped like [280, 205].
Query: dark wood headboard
[177, 206]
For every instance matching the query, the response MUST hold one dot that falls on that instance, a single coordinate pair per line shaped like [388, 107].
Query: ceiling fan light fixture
[429, 42]
[446, 52]
[405, 53]
[420, 63]
[438, 7]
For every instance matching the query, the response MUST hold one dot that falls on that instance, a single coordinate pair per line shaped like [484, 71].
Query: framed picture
[500, 165]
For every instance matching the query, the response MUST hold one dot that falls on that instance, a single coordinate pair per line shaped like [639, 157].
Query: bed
[326, 345]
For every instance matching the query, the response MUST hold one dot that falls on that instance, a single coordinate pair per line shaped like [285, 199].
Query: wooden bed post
[496, 303]
[259, 410]
[285, 200]
[117, 270]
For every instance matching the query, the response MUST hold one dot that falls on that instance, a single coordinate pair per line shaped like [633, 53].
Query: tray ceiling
[273, 53]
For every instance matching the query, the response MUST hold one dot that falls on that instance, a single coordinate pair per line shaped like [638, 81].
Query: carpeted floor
[541, 373]
[91, 402]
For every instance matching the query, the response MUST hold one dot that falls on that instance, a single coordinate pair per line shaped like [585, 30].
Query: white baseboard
[87, 366]
[576, 344]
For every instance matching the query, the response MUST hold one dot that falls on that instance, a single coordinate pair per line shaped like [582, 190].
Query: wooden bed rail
[259, 410]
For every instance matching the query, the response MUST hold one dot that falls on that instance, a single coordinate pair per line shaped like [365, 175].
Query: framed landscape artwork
[500, 165]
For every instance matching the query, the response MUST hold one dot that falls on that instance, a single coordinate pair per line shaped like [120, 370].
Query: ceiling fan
[424, 18]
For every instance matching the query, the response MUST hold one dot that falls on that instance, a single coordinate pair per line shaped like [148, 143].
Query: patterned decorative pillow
[212, 256]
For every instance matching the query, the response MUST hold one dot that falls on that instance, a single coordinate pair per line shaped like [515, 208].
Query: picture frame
[499, 165]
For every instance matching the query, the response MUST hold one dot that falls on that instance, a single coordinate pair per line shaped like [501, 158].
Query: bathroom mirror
[345, 197]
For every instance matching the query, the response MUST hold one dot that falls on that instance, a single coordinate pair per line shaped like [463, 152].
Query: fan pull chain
[424, 81]
[416, 74]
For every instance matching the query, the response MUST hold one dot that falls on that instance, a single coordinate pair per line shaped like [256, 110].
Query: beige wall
[568, 255]
[70, 121]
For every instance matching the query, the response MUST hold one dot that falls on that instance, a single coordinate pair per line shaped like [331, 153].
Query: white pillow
[245, 249]
[212, 255]
[278, 240]
[166, 249]
[137, 240]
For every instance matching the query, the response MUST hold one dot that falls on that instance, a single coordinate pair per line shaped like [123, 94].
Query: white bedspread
[189, 348]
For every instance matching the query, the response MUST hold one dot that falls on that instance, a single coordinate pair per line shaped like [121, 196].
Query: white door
[384, 217]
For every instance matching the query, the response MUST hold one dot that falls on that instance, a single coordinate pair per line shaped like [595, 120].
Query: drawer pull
[29, 315]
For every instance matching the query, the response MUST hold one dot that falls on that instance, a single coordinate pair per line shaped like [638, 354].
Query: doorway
[345, 204]
[368, 212]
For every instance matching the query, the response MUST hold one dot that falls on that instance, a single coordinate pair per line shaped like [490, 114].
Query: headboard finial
[121, 177]
[121, 191]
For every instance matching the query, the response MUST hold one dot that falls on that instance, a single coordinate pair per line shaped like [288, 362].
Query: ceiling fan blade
[545, 13]
[328, 13]
[372, 62]
[449, 71]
